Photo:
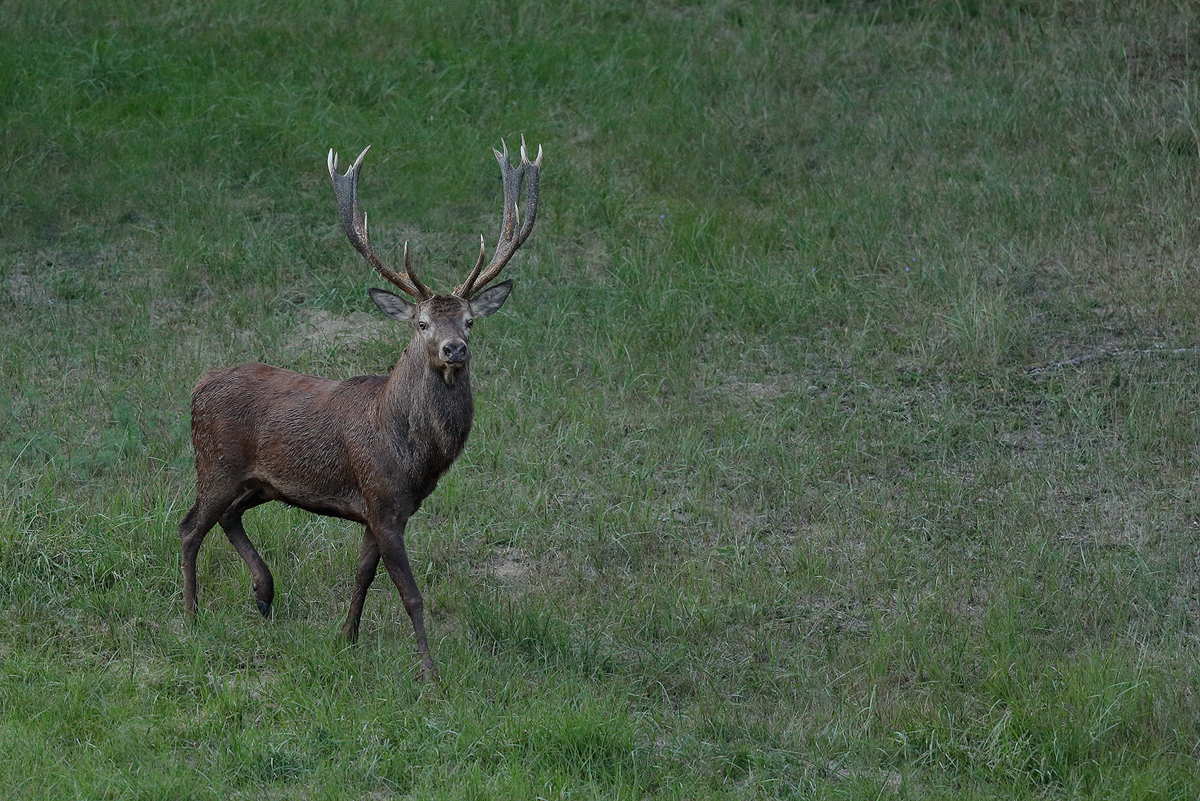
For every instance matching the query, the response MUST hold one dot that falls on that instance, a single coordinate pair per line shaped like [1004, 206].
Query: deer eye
[470, 323]
[422, 324]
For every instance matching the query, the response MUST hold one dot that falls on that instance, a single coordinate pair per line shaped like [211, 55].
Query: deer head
[443, 322]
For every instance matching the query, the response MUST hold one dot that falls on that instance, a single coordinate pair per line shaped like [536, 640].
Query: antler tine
[354, 225]
[513, 231]
[475, 272]
[424, 292]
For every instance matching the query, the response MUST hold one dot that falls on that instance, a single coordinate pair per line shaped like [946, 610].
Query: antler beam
[354, 224]
[510, 237]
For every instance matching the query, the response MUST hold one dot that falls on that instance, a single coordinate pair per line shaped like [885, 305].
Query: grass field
[839, 440]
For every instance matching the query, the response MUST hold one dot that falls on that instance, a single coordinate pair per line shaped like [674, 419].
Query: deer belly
[309, 480]
[322, 506]
[330, 504]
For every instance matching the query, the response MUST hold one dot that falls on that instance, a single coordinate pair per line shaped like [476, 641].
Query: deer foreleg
[368, 563]
[395, 560]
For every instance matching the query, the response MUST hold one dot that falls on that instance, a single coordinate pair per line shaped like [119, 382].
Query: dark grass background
[766, 497]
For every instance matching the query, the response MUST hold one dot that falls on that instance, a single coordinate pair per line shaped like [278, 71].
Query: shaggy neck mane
[434, 415]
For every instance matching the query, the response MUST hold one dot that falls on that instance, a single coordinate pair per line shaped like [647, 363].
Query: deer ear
[393, 305]
[491, 299]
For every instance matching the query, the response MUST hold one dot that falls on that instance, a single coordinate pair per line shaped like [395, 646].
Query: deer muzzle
[454, 352]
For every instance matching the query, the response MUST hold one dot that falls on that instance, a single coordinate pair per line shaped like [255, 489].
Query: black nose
[454, 352]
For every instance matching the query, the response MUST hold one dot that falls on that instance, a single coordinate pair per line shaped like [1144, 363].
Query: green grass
[763, 499]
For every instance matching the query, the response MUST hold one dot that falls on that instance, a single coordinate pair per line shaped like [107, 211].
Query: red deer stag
[367, 449]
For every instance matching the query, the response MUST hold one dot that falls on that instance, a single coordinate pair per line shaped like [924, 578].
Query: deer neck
[433, 414]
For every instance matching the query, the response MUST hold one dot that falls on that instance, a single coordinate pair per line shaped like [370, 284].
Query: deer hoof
[428, 673]
[264, 608]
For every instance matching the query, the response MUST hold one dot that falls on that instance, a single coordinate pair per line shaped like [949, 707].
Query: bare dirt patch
[518, 570]
[23, 289]
[509, 565]
[738, 389]
[325, 329]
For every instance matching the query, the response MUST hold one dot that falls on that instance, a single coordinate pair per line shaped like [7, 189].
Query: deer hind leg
[231, 523]
[368, 563]
[204, 514]
[395, 560]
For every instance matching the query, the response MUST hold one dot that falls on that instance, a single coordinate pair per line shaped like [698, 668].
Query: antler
[354, 223]
[510, 237]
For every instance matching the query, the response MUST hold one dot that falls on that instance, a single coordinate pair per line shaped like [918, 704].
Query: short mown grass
[767, 495]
